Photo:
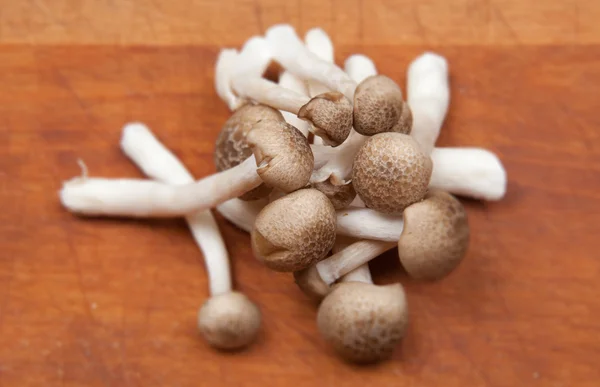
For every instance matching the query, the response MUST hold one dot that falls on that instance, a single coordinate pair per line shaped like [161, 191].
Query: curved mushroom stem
[223, 70]
[338, 168]
[228, 319]
[289, 51]
[145, 198]
[158, 163]
[428, 97]
[254, 59]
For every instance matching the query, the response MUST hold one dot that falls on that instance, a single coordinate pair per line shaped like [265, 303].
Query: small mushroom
[338, 168]
[295, 231]
[378, 107]
[363, 322]
[341, 195]
[283, 155]
[231, 146]
[435, 237]
[229, 321]
[390, 172]
[330, 114]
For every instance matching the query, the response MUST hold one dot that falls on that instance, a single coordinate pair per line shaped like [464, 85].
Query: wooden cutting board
[107, 302]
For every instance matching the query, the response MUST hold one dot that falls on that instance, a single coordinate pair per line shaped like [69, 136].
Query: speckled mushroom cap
[283, 155]
[405, 122]
[311, 283]
[363, 322]
[231, 146]
[390, 172]
[229, 321]
[330, 115]
[295, 231]
[378, 107]
[435, 236]
[340, 195]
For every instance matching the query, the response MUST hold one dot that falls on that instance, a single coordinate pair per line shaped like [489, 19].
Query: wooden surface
[113, 303]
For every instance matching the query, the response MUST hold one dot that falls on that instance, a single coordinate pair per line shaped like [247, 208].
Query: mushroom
[338, 169]
[390, 172]
[330, 114]
[228, 319]
[231, 147]
[432, 240]
[340, 195]
[281, 152]
[378, 107]
[363, 322]
[295, 231]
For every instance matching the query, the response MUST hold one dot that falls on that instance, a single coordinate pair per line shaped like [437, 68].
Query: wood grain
[106, 302]
[230, 22]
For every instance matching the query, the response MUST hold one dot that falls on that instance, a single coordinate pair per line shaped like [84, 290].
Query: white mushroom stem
[292, 82]
[241, 213]
[254, 58]
[364, 223]
[145, 198]
[318, 42]
[428, 97]
[352, 257]
[339, 166]
[472, 172]
[223, 70]
[157, 162]
[269, 93]
[360, 274]
[289, 51]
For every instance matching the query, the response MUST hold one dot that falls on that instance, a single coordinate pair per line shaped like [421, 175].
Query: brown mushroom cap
[229, 320]
[390, 172]
[340, 195]
[364, 323]
[311, 283]
[330, 115]
[283, 154]
[405, 122]
[435, 236]
[378, 106]
[231, 146]
[295, 231]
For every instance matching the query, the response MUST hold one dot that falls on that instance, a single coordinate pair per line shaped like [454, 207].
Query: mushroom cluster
[326, 168]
